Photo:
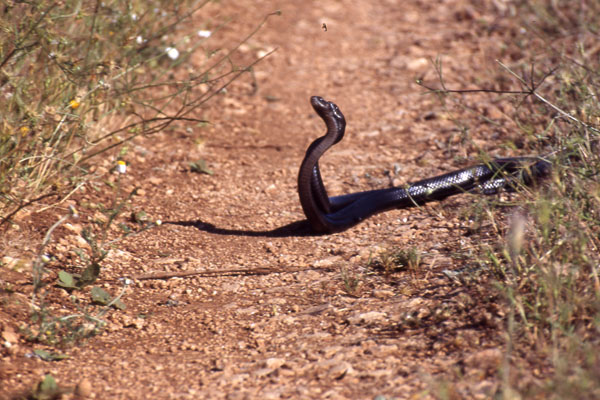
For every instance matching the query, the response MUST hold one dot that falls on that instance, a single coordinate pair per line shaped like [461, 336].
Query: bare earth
[284, 324]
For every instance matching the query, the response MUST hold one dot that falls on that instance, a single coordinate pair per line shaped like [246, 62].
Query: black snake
[334, 214]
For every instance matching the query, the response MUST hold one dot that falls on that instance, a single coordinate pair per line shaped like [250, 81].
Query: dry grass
[79, 79]
[545, 262]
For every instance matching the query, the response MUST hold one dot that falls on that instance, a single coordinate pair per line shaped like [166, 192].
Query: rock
[378, 373]
[382, 294]
[271, 189]
[340, 370]
[80, 241]
[247, 311]
[262, 372]
[423, 313]
[274, 363]
[271, 394]
[385, 350]
[271, 248]
[493, 112]
[155, 180]
[236, 379]
[277, 300]
[466, 13]
[309, 275]
[417, 64]
[218, 364]
[331, 351]
[327, 262]
[75, 228]
[367, 318]
[83, 389]
[414, 303]
[485, 389]
[369, 134]
[488, 359]
[316, 309]
[9, 335]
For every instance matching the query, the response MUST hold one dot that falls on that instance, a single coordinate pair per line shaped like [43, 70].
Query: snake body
[334, 214]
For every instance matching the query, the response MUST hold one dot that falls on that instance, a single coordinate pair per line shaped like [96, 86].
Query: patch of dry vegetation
[82, 79]
[544, 264]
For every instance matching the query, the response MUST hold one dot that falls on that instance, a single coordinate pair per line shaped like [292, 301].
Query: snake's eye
[317, 100]
[336, 111]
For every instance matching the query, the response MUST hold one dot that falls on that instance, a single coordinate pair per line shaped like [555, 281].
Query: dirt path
[297, 332]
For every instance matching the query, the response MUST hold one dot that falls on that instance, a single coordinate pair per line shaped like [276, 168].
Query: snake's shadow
[294, 229]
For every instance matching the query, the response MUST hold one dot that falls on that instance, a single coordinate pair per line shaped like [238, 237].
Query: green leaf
[119, 305]
[123, 151]
[48, 384]
[89, 275]
[81, 255]
[46, 389]
[200, 167]
[49, 356]
[140, 217]
[101, 296]
[66, 280]
[124, 228]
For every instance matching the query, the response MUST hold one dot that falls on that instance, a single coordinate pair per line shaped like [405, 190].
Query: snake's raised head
[331, 115]
[325, 108]
[319, 104]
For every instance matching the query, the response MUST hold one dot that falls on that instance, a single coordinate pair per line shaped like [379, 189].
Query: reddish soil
[284, 324]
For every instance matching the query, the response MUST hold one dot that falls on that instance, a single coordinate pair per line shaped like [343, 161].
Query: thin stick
[532, 90]
[63, 199]
[543, 100]
[216, 272]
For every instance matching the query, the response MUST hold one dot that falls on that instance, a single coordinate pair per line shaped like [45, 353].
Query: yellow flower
[73, 212]
[24, 130]
[121, 166]
[74, 104]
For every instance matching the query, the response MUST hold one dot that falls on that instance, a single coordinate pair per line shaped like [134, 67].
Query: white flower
[139, 40]
[172, 52]
[73, 212]
[204, 33]
[134, 16]
[158, 222]
[126, 281]
[121, 166]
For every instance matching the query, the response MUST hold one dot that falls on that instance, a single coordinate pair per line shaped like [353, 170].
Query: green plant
[552, 283]
[352, 281]
[395, 259]
[547, 269]
[79, 79]
[546, 263]
[53, 329]
[47, 389]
